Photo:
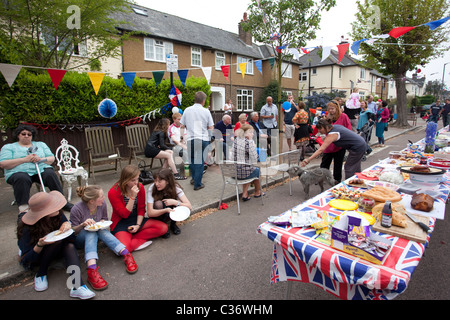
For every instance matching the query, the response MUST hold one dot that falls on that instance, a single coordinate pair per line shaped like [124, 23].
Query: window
[249, 68]
[303, 76]
[220, 60]
[340, 73]
[157, 50]
[80, 49]
[314, 71]
[362, 95]
[196, 56]
[362, 73]
[244, 100]
[286, 69]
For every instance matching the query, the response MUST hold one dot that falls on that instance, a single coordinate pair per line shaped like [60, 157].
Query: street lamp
[443, 75]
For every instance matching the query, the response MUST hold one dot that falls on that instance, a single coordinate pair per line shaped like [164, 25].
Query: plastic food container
[395, 154]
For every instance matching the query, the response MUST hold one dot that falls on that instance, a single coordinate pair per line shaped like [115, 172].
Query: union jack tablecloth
[299, 256]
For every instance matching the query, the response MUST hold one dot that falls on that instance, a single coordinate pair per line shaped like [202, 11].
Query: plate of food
[180, 213]
[98, 226]
[385, 184]
[57, 235]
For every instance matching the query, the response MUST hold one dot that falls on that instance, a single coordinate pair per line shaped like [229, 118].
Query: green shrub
[33, 98]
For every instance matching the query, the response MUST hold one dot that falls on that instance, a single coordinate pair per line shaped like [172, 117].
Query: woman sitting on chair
[156, 147]
[244, 151]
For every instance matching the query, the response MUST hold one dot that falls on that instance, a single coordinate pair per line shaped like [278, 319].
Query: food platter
[51, 237]
[433, 171]
[98, 226]
[440, 164]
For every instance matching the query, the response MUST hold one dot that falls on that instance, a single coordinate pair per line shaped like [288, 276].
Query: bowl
[441, 143]
[424, 179]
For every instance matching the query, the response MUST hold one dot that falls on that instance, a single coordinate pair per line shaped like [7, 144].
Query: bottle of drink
[386, 215]
[186, 170]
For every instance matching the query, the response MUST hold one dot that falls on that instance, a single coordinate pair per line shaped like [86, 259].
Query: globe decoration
[107, 108]
[286, 106]
[275, 36]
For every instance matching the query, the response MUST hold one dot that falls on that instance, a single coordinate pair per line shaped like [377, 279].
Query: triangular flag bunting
[295, 53]
[434, 24]
[96, 80]
[158, 75]
[10, 72]
[56, 75]
[397, 32]
[207, 73]
[225, 71]
[355, 46]
[272, 62]
[242, 67]
[326, 51]
[305, 51]
[175, 96]
[342, 49]
[183, 75]
[258, 64]
[128, 77]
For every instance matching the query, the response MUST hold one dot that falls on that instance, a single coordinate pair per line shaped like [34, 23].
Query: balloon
[175, 110]
[286, 106]
[107, 108]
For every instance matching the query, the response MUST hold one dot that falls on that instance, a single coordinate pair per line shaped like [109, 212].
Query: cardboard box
[339, 238]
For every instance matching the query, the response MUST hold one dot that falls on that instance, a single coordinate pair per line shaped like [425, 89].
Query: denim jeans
[196, 148]
[89, 239]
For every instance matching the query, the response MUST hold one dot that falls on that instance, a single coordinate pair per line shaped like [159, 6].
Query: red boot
[96, 280]
[130, 263]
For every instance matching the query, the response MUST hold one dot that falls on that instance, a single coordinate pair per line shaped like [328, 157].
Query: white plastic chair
[229, 175]
[69, 170]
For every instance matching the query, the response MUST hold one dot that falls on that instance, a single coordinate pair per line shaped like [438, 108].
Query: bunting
[183, 75]
[342, 49]
[398, 32]
[326, 51]
[258, 64]
[10, 72]
[243, 67]
[158, 75]
[225, 70]
[96, 80]
[128, 77]
[207, 73]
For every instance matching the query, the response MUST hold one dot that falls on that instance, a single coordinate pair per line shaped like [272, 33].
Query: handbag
[146, 176]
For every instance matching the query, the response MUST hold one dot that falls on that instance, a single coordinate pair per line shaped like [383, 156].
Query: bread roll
[422, 202]
[382, 194]
[398, 214]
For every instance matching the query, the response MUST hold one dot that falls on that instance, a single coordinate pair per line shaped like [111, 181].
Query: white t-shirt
[197, 119]
[174, 132]
[150, 199]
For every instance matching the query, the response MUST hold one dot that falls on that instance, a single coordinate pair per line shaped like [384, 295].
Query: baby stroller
[366, 134]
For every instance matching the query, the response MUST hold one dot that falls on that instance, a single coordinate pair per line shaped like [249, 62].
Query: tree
[47, 33]
[295, 20]
[396, 56]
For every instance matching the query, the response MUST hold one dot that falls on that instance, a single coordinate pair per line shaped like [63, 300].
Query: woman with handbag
[129, 225]
[382, 122]
[163, 196]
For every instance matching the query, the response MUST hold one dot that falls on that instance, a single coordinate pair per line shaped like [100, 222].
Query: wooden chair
[67, 161]
[229, 176]
[137, 137]
[101, 149]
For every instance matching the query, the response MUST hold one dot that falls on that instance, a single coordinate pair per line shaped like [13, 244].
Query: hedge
[33, 98]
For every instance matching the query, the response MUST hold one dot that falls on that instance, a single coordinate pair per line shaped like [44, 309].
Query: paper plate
[98, 226]
[342, 204]
[52, 238]
[180, 213]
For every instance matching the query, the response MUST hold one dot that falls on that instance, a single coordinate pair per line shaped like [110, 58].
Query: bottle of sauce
[386, 215]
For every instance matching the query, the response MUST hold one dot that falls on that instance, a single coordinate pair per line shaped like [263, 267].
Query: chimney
[245, 36]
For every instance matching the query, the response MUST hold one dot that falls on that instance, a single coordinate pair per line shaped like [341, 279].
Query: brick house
[196, 45]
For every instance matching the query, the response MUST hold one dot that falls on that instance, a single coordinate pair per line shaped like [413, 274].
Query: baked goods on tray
[382, 194]
[420, 168]
[398, 214]
[422, 202]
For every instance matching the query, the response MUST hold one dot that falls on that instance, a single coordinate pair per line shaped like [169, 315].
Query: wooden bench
[137, 137]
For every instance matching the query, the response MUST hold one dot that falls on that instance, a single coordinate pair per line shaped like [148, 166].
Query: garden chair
[229, 176]
[281, 163]
[137, 136]
[68, 168]
[101, 149]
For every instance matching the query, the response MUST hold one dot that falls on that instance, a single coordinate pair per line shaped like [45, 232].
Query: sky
[337, 22]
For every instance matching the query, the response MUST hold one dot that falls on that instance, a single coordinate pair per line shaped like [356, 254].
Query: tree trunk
[402, 117]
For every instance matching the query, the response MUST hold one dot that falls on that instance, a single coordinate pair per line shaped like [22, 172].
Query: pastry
[398, 214]
[420, 168]
[422, 202]
[382, 194]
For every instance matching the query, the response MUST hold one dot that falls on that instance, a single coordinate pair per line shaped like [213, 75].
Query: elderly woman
[242, 120]
[20, 161]
[244, 151]
[344, 138]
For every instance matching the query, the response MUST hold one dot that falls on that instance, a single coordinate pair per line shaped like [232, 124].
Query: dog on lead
[312, 177]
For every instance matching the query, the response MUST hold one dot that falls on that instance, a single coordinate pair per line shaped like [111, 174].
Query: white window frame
[244, 98]
[220, 59]
[151, 46]
[82, 49]
[362, 95]
[249, 61]
[362, 74]
[286, 68]
[197, 53]
[303, 77]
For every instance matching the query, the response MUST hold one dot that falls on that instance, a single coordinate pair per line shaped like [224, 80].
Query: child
[164, 195]
[353, 102]
[91, 209]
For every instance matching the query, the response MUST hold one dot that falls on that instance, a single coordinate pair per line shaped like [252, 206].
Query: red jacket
[118, 204]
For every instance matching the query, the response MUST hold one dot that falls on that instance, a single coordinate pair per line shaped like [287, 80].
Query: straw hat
[42, 204]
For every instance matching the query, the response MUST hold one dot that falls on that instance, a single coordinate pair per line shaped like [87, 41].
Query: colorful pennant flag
[10, 72]
[342, 49]
[175, 96]
[207, 73]
[183, 75]
[225, 71]
[258, 64]
[272, 62]
[326, 51]
[96, 80]
[128, 77]
[434, 24]
[158, 75]
[295, 52]
[56, 75]
[355, 46]
[243, 67]
[397, 32]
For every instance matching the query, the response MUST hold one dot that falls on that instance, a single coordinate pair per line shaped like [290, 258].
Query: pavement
[203, 202]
